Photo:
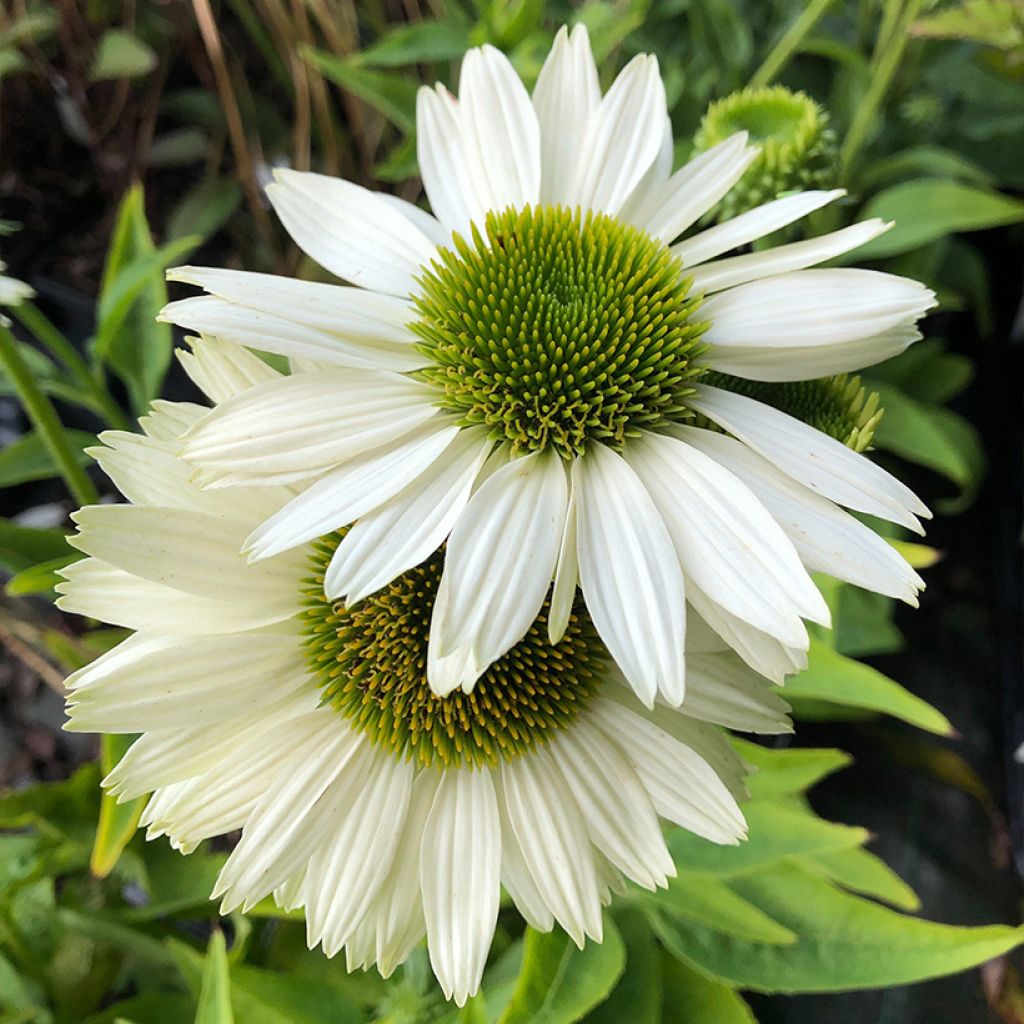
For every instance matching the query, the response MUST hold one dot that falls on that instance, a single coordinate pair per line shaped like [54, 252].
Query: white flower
[12, 292]
[544, 388]
[386, 812]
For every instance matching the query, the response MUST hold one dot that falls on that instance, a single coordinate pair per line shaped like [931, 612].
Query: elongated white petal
[516, 877]
[749, 226]
[811, 457]
[350, 231]
[222, 369]
[292, 428]
[460, 870]
[167, 421]
[441, 158]
[500, 559]
[827, 539]
[682, 785]
[694, 189]
[293, 817]
[630, 574]
[619, 816]
[654, 178]
[402, 532]
[622, 139]
[165, 682]
[356, 487]
[501, 137]
[567, 574]
[553, 840]
[727, 542]
[190, 551]
[431, 227]
[721, 689]
[781, 259]
[98, 590]
[762, 652]
[566, 96]
[333, 324]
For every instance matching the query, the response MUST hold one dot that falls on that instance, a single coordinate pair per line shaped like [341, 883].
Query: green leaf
[147, 1008]
[845, 942]
[421, 43]
[921, 161]
[784, 772]
[692, 997]
[931, 208]
[22, 547]
[41, 578]
[711, 901]
[215, 991]
[776, 832]
[118, 821]
[121, 55]
[393, 96]
[862, 872]
[28, 458]
[637, 996]
[863, 624]
[205, 209]
[558, 983]
[835, 679]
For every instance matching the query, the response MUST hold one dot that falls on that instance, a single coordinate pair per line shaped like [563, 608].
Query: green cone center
[371, 664]
[553, 328]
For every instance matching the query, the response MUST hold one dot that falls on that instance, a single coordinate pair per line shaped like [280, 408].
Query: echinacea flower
[386, 811]
[540, 374]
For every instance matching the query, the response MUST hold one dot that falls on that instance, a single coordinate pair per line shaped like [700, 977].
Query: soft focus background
[139, 135]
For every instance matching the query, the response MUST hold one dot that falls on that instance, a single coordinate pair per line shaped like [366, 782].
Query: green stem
[44, 418]
[892, 42]
[43, 330]
[790, 41]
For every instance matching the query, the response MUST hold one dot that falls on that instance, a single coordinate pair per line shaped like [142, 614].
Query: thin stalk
[44, 418]
[790, 41]
[64, 352]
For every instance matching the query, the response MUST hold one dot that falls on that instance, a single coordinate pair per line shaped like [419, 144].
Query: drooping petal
[630, 574]
[350, 231]
[721, 689]
[727, 542]
[565, 97]
[567, 573]
[460, 870]
[812, 458]
[442, 160]
[500, 559]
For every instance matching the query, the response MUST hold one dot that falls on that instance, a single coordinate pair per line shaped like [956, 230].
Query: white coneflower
[534, 374]
[12, 292]
[384, 810]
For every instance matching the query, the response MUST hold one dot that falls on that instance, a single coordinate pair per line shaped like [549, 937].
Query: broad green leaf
[28, 458]
[862, 872]
[560, 984]
[118, 821]
[104, 929]
[177, 884]
[148, 1008]
[32, 26]
[205, 209]
[862, 624]
[22, 547]
[845, 941]
[178, 148]
[420, 43]
[930, 208]
[215, 991]
[392, 95]
[689, 996]
[925, 371]
[788, 771]
[776, 832]
[121, 55]
[998, 23]
[41, 578]
[834, 679]
[637, 996]
[711, 901]
[922, 161]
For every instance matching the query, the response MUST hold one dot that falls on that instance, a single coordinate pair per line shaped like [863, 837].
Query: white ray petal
[553, 840]
[460, 871]
[516, 877]
[812, 458]
[167, 421]
[426, 222]
[727, 542]
[441, 158]
[356, 487]
[222, 369]
[500, 558]
[630, 574]
[350, 231]
[567, 573]
[721, 689]
[623, 138]
[414, 523]
[566, 96]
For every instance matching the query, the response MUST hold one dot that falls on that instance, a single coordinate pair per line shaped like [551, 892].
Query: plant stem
[44, 418]
[51, 339]
[791, 39]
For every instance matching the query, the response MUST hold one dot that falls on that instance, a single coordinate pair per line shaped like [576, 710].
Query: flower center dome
[371, 664]
[554, 328]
